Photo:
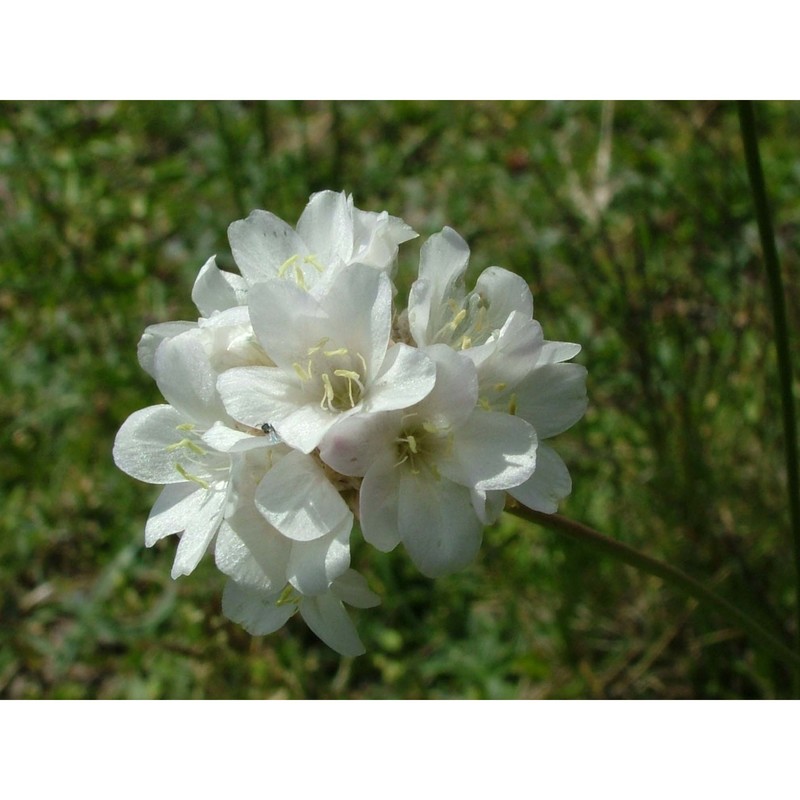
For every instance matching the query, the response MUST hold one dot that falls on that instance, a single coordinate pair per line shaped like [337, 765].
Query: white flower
[261, 612]
[428, 469]
[332, 358]
[178, 444]
[518, 371]
[440, 311]
[331, 232]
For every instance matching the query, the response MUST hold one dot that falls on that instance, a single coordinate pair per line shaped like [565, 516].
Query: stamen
[299, 277]
[185, 426]
[312, 259]
[512, 404]
[329, 396]
[301, 373]
[288, 595]
[317, 347]
[286, 265]
[342, 351]
[192, 478]
[194, 447]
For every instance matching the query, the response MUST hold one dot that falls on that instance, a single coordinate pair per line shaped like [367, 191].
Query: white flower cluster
[299, 400]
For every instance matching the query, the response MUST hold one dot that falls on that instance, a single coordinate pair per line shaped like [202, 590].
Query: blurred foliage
[633, 224]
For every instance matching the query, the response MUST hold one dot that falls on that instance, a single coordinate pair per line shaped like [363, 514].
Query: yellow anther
[328, 396]
[498, 387]
[192, 478]
[195, 448]
[286, 265]
[317, 347]
[185, 426]
[412, 444]
[312, 259]
[484, 404]
[304, 375]
[458, 319]
[287, 596]
[512, 404]
[466, 342]
[430, 427]
[299, 277]
[342, 351]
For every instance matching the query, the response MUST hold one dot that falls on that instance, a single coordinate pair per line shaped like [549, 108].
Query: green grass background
[633, 224]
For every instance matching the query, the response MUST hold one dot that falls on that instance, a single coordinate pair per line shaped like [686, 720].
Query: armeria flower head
[332, 354]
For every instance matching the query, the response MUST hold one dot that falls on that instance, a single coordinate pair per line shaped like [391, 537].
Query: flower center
[335, 375]
[192, 457]
[420, 444]
[296, 266]
[467, 325]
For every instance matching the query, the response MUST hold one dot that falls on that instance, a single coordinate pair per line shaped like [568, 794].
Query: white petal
[256, 611]
[438, 525]
[491, 451]
[327, 617]
[215, 290]
[354, 443]
[287, 321]
[313, 566]
[359, 306]
[352, 588]
[377, 236]
[407, 375]
[455, 392]
[297, 498]
[553, 398]
[554, 352]
[378, 504]
[261, 244]
[141, 445]
[549, 484]
[443, 262]
[176, 505]
[326, 226]
[186, 378]
[199, 532]
[504, 292]
[233, 557]
[152, 338]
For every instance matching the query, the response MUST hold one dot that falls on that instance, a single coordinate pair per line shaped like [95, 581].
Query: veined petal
[491, 451]
[186, 378]
[261, 245]
[143, 446]
[175, 506]
[548, 485]
[234, 558]
[152, 338]
[505, 292]
[255, 395]
[352, 588]
[287, 321]
[326, 226]
[313, 566]
[437, 523]
[359, 307]
[215, 290]
[455, 393]
[351, 446]
[327, 617]
[255, 610]
[406, 377]
[297, 498]
[379, 504]
[199, 532]
[443, 262]
[553, 398]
